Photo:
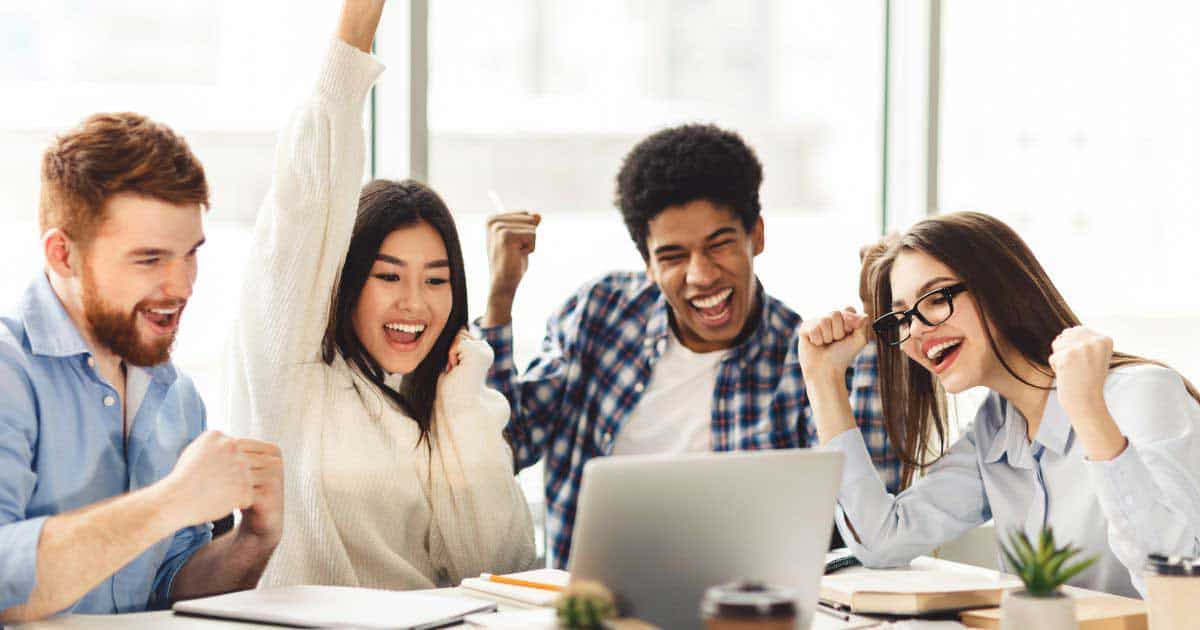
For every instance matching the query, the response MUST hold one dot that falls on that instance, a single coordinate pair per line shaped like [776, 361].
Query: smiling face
[702, 259]
[406, 301]
[957, 350]
[137, 275]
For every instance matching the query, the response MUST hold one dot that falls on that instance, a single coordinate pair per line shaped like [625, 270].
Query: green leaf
[1024, 549]
[1075, 569]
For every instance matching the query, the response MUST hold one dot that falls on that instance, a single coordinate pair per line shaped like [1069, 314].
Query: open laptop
[659, 530]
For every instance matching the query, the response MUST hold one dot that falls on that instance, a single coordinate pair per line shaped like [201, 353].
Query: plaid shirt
[596, 361]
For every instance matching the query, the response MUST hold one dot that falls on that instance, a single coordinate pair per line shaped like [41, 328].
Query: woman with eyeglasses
[1102, 446]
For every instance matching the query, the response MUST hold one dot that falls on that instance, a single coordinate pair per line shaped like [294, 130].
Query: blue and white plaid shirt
[596, 360]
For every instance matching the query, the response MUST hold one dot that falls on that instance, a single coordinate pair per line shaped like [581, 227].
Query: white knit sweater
[364, 504]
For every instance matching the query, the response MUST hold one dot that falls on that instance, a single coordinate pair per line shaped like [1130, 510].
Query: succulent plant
[1043, 569]
[585, 604]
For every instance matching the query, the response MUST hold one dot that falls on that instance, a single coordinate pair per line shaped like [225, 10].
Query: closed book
[1094, 612]
[927, 586]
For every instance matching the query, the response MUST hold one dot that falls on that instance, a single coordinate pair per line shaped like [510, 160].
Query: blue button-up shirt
[596, 360]
[1146, 500]
[62, 447]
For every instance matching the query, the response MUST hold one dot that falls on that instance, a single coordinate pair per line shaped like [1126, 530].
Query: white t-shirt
[674, 414]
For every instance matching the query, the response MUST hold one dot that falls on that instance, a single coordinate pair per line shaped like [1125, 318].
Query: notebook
[522, 594]
[927, 586]
[325, 606]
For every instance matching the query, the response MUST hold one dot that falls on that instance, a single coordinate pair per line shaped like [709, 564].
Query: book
[522, 594]
[339, 606]
[1093, 611]
[927, 586]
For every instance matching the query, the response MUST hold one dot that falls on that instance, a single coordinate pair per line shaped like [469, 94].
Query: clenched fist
[1080, 358]
[264, 516]
[211, 479]
[512, 236]
[827, 345]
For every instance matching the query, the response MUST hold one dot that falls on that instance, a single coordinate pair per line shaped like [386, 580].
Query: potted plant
[1043, 570]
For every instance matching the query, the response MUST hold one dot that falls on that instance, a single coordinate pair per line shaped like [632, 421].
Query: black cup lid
[1159, 564]
[748, 599]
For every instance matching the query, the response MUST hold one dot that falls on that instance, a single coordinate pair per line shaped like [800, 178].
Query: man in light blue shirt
[108, 479]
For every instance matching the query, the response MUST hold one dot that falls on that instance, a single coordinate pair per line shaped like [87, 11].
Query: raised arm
[304, 226]
[881, 528]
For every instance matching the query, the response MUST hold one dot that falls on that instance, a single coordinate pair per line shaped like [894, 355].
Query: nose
[701, 271]
[180, 276]
[408, 295]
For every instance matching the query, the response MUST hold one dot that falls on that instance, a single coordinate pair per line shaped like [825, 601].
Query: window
[1078, 128]
[224, 75]
[539, 101]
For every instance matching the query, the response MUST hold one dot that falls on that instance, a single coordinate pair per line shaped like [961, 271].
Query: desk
[169, 621]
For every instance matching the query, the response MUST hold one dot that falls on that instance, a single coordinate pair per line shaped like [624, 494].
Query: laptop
[661, 529]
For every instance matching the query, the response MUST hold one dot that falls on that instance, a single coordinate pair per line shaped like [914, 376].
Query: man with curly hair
[690, 355]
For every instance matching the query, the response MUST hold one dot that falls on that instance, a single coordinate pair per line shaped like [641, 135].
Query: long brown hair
[1010, 289]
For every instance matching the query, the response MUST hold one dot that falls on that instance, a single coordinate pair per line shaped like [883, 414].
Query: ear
[758, 236]
[62, 255]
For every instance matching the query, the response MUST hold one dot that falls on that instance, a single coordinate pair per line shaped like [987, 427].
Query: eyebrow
[147, 252]
[435, 264]
[725, 231]
[925, 288]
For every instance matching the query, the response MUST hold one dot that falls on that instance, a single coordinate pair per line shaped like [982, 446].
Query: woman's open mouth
[714, 310]
[943, 354]
[403, 335]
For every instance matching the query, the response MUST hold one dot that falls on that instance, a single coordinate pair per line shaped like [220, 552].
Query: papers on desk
[522, 594]
[325, 606]
[929, 585]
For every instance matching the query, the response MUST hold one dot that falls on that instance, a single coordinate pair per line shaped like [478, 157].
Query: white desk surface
[170, 621]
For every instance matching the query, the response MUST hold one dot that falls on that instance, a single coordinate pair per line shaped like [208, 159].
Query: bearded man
[108, 477]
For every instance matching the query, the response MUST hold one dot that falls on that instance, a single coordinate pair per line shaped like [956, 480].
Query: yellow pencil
[518, 582]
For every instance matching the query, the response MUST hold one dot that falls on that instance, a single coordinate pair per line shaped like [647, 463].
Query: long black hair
[385, 206]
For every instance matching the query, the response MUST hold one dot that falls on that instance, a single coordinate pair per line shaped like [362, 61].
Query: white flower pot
[1021, 611]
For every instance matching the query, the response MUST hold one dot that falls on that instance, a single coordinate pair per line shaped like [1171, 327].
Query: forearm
[1098, 432]
[359, 21]
[499, 308]
[830, 403]
[80, 549]
[233, 562]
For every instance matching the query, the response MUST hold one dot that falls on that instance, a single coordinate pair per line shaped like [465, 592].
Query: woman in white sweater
[397, 474]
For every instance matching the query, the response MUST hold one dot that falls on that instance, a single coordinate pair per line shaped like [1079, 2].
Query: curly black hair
[683, 164]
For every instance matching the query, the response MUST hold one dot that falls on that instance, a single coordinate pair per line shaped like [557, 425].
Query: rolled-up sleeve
[1151, 491]
[186, 543]
[18, 434]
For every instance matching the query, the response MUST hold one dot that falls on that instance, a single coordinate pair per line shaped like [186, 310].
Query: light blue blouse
[1146, 500]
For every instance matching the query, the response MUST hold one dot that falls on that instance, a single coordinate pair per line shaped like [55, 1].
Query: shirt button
[91, 361]
[109, 401]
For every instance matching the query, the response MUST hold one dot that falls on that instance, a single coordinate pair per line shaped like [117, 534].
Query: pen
[840, 616]
[519, 582]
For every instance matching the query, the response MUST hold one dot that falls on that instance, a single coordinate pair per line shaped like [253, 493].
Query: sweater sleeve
[481, 521]
[300, 238]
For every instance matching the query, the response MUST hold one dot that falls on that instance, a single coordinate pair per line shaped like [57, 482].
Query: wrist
[499, 310]
[170, 512]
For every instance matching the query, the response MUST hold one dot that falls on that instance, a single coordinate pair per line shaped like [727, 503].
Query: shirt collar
[658, 326]
[52, 333]
[1053, 433]
[50, 329]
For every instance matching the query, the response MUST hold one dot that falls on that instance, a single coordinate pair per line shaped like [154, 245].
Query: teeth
[712, 300]
[415, 329]
[933, 352]
[164, 311]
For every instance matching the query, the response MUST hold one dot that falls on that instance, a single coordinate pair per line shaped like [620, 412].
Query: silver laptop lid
[658, 530]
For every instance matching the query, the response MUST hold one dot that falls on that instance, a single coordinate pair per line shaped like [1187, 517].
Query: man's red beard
[117, 331]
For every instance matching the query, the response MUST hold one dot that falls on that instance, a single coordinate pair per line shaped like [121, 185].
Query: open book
[928, 585]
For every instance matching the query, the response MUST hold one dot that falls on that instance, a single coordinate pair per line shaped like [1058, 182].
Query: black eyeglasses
[932, 309]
